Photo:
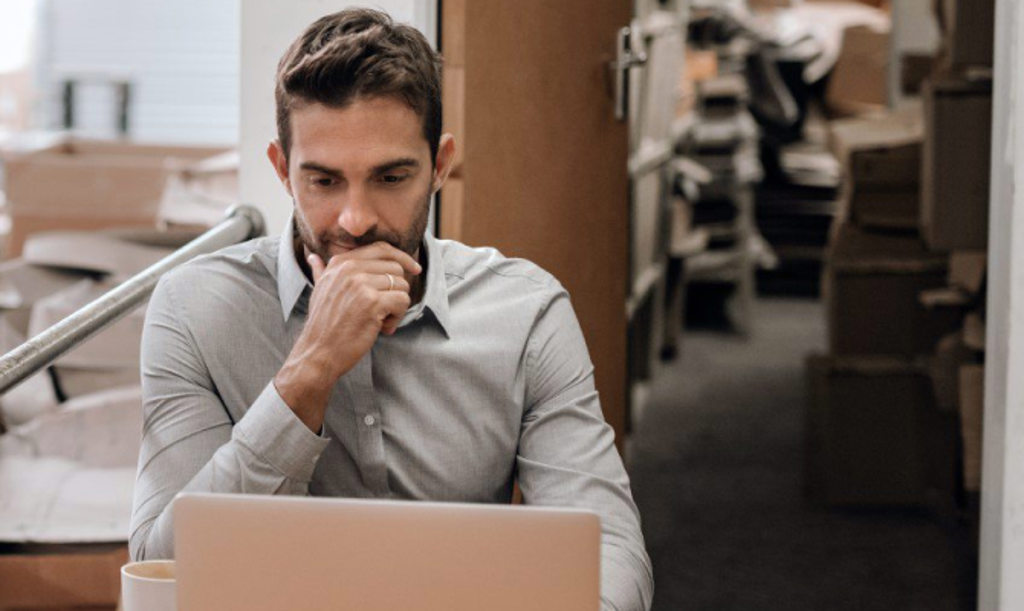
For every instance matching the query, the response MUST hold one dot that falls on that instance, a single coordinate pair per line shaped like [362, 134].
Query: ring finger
[390, 282]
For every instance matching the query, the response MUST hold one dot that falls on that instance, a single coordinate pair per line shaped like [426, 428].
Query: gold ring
[391, 282]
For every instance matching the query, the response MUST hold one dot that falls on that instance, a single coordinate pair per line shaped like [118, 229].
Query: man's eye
[391, 179]
[323, 182]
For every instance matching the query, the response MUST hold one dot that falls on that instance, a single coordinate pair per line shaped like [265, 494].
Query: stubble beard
[320, 244]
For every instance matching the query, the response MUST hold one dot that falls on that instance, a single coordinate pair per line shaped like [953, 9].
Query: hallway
[716, 464]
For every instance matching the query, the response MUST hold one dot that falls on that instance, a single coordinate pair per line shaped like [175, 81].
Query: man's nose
[357, 216]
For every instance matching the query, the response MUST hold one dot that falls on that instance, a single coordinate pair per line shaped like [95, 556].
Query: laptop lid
[254, 553]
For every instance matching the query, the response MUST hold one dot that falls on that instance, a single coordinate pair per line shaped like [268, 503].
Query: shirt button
[369, 420]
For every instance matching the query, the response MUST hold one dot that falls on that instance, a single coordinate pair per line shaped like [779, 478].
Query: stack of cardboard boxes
[60, 195]
[894, 410]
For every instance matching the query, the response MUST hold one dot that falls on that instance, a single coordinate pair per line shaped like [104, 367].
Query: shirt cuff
[272, 431]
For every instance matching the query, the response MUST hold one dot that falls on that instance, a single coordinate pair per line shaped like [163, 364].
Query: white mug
[148, 585]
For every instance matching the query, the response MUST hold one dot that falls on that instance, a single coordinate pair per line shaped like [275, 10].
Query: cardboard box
[972, 416]
[881, 161]
[84, 184]
[956, 163]
[951, 355]
[76, 382]
[99, 252]
[968, 32]
[873, 284]
[880, 152]
[115, 347]
[200, 194]
[22, 285]
[914, 69]
[860, 79]
[874, 436]
[887, 211]
[967, 269]
[61, 576]
[974, 331]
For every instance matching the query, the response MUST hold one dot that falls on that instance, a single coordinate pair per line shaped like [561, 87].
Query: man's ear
[275, 153]
[444, 161]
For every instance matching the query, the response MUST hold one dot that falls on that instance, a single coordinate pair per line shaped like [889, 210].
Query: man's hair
[357, 53]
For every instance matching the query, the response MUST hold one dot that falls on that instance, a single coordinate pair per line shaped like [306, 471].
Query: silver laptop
[255, 553]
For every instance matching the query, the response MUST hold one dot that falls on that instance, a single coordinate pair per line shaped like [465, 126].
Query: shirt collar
[292, 282]
[435, 296]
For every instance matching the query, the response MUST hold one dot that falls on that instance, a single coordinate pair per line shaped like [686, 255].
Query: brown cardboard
[944, 368]
[882, 152]
[873, 283]
[454, 111]
[550, 91]
[914, 69]
[967, 270]
[881, 161]
[895, 210]
[972, 415]
[83, 184]
[956, 163]
[49, 576]
[452, 203]
[874, 436]
[974, 332]
[968, 32]
[859, 80]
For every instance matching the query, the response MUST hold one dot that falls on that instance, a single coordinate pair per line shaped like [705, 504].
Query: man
[359, 356]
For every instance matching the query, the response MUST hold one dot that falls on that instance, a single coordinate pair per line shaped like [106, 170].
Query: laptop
[255, 553]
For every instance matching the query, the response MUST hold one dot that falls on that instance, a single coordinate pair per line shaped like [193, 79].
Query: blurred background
[773, 217]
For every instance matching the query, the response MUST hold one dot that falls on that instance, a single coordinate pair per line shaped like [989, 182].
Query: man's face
[359, 174]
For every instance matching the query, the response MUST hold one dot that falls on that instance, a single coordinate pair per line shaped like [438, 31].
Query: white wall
[268, 27]
[181, 57]
[1002, 504]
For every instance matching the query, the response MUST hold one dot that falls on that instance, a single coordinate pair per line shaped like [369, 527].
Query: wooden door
[542, 172]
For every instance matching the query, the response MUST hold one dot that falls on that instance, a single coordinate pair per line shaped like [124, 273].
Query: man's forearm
[302, 387]
[269, 451]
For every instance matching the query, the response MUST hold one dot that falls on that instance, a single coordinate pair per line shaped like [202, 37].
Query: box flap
[860, 251]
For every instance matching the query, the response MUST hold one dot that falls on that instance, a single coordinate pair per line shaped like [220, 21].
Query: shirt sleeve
[189, 442]
[567, 454]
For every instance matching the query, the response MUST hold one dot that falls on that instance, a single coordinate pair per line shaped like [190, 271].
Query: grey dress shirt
[487, 381]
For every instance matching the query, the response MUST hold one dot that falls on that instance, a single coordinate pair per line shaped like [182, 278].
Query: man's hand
[353, 302]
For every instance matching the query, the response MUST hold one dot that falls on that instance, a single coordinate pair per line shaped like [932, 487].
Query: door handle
[625, 58]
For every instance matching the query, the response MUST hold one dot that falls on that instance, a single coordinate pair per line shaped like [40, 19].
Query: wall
[1002, 510]
[181, 57]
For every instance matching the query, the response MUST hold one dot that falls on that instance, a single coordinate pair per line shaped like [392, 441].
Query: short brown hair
[356, 53]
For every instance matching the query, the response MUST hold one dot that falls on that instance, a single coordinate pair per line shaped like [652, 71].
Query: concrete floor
[716, 462]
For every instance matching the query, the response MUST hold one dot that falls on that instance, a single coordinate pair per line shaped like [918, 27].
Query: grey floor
[716, 463]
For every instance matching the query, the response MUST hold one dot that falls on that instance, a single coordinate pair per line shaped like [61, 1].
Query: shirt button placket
[370, 433]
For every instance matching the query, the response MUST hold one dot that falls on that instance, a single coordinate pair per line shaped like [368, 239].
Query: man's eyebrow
[405, 162]
[316, 167]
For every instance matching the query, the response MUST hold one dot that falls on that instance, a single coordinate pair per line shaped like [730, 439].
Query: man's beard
[321, 243]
